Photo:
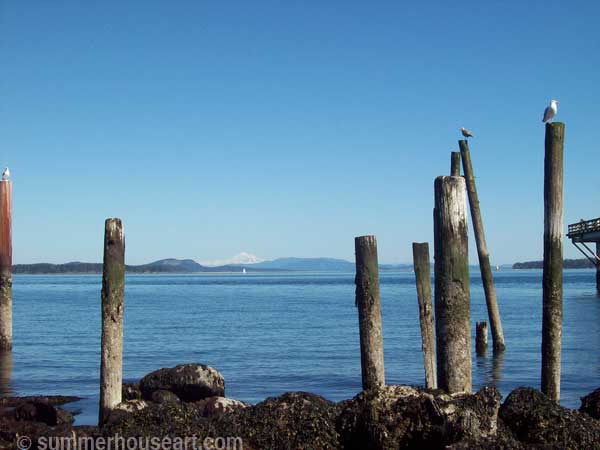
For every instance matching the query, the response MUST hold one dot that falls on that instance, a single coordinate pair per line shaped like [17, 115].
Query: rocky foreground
[189, 400]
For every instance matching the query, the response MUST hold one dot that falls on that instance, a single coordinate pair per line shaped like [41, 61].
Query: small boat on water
[244, 271]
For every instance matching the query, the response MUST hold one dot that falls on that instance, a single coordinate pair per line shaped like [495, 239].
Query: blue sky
[287, 128]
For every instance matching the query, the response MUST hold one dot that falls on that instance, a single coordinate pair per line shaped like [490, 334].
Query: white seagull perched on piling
[466, 133]
[550, 111]
[5, 174]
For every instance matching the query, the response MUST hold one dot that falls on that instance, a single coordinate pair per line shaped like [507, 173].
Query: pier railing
[584, 226]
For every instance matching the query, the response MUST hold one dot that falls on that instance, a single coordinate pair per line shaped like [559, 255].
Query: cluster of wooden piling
[446, 346]
[447, 349]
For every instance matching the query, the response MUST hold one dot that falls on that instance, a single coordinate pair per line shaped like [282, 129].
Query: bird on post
[550, 111]
[5, 174]
[466, 133]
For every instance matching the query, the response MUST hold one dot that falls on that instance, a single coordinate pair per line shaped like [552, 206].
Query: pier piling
[368, 302]
[423, 280]
[6, 368]
[482, 250]
[452, 292]
[553, 260]
[455, 164]
[5, 265]
[481, 338]
[113, 286]
[598, 268]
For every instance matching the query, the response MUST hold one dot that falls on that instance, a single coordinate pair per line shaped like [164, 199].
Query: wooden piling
[5, 265]
[553, 260]
[455, 164]
[423, 280]
[598, 268]
[113, 285]
[368, 302]
[452, 292]
[481, 338]
[482, 250]
[6, 368]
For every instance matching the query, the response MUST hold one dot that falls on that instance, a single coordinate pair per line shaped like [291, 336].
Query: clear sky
[286, 128]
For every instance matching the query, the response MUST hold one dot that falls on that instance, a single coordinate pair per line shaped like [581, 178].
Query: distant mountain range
[190, 266]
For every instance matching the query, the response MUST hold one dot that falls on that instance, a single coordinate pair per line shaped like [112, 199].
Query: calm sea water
[269, 334]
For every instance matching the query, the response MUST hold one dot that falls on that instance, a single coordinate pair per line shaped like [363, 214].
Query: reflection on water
[491, 368]
[497, 365]
[6, 367]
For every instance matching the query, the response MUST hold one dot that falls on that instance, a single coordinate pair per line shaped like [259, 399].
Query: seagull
[5, 174]
[550, 111]
[466, 133]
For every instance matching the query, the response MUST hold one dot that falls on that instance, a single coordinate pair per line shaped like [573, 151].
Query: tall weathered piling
[455, 164]
[5, 265]
[368, 302]
[553, 260]
[482, 250]
[481, 338]
[598, 268]
[113, 286]
[452, 292]
[423, 280]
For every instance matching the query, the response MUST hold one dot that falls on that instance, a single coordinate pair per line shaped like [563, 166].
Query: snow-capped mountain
[240, 258]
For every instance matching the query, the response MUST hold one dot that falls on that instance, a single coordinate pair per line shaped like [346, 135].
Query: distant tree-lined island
[568, 264]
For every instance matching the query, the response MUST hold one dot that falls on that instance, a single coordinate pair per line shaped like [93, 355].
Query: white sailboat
[244, 271]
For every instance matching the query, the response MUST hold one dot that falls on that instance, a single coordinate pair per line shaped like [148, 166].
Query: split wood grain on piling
[113, 290]
[452, 291]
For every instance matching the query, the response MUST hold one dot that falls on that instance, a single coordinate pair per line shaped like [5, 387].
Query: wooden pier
[587, 232]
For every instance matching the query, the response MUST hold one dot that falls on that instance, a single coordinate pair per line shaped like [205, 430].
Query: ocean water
[268, 334]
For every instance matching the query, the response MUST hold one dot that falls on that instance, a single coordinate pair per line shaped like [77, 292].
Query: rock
[124, 410]
[292, 421]
[42, 412]
[131, 391]
[399, 417]
[130, 406]
[590, 404]
[190, 382]
[49, 399]
[161, 396]
[155, 419]
[504, 440]
[214, 406]
[536, 420]
[63, 416]
[296, 420]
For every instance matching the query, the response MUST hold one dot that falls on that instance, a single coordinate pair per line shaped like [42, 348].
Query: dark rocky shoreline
[189, 401]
